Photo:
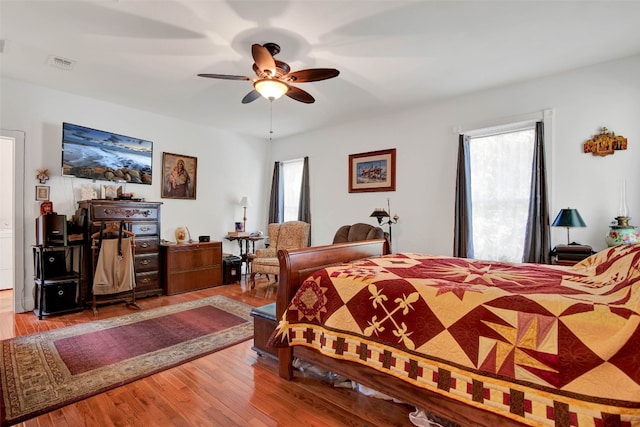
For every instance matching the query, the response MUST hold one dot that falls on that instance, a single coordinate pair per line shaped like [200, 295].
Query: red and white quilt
[544, 345]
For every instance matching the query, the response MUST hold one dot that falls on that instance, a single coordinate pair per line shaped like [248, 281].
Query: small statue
[43, 175]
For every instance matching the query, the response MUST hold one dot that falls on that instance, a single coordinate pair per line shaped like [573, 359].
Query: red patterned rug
[44, 371]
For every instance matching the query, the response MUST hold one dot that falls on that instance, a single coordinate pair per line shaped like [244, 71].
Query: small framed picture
[42, 193]
[109, 191]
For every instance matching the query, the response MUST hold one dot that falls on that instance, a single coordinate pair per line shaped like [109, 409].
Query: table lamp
[569, 218]
[245, 203]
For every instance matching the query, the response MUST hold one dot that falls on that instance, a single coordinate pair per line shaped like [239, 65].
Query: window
[292, 183]
[500, 165]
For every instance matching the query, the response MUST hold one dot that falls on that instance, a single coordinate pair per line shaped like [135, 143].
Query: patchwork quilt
[544, 345]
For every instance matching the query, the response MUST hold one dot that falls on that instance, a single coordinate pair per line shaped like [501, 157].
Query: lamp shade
[271, 89]
[379, 213]
[569, 218]
[244, 202]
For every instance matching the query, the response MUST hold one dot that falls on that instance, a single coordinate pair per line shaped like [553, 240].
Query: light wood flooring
[232, 387]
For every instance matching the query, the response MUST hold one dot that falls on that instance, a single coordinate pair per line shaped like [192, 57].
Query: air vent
[62, 63]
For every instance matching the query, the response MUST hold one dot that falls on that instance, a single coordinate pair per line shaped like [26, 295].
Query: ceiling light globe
[271, 89]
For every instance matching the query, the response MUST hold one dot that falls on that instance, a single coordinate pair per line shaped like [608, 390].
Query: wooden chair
[286, 235]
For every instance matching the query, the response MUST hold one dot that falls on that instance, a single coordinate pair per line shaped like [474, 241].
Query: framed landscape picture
[179, 174]
[372, 171]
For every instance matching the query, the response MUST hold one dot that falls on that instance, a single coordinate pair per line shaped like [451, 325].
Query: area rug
[45, 371]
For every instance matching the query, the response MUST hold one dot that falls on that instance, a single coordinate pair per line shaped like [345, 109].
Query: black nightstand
[570, 254]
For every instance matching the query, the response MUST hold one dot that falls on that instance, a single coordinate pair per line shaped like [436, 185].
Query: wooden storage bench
[264, 323]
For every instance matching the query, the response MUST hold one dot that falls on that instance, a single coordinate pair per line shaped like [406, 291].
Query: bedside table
[570, 254]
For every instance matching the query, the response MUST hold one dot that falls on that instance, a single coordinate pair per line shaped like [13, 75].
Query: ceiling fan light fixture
[270, 88]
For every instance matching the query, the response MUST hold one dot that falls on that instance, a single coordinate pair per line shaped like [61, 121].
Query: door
[12, 216]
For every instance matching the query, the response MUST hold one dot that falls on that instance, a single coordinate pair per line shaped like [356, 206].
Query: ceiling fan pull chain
[270, 119]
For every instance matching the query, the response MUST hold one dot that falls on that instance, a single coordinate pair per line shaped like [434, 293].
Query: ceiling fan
[275, 77]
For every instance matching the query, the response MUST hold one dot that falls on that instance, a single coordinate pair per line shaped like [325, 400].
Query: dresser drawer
[196, 256]
[147, 245]
[147, 281]
[137, 228]
[112, 212]
[144, 228]
[147, 262]
[192, 280]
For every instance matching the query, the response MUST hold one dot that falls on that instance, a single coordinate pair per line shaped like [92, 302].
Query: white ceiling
[391, 54]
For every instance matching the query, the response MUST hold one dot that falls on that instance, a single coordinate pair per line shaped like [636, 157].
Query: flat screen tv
[99, 155]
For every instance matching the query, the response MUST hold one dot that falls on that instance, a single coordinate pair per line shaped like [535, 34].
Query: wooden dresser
[191, 266]
[141, 218]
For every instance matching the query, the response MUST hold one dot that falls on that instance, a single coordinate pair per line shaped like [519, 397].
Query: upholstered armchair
[286, 235]
[357, 232]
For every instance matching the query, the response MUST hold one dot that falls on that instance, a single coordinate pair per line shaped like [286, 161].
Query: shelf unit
[57, 272]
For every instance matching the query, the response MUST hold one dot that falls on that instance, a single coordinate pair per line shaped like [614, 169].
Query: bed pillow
[618, 261]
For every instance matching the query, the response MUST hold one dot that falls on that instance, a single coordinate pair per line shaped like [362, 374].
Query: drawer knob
[144, 228]
[145, 262]
[145, 245]
[145, 280]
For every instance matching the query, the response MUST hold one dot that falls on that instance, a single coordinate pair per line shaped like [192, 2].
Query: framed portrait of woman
[179, 176]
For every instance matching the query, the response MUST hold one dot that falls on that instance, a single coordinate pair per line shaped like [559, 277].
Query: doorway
[12, 167]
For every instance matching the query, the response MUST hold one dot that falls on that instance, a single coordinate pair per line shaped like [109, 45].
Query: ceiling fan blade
[263, 59]
[312, 75]
[224, 76]
[251, 96]
[300, 95]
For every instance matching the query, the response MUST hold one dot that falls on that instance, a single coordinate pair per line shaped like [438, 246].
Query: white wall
[582, 101]
[229, 166]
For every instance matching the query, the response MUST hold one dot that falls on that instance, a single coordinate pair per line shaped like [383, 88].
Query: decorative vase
[181, 234]
[622, 233]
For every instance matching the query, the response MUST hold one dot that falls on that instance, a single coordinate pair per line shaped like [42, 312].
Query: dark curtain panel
[537, 240]
[463, 231]
[304, 207]
[276, 203]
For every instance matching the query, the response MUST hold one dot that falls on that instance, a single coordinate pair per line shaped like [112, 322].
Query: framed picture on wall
[42, 193]
[179, 175]
[372, 171]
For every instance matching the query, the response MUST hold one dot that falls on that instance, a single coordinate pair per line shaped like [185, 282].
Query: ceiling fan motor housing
[273, 48]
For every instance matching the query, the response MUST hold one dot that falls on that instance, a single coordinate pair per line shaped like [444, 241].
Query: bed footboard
[296, 265]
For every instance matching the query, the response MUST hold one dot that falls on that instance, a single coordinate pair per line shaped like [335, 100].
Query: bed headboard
[298, 264]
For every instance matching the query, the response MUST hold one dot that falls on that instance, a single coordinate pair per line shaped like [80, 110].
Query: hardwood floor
[232, 387]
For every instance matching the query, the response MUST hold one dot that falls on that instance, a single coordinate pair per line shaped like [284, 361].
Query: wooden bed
[297, 265]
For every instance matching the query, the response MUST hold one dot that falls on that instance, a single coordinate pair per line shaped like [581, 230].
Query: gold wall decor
[605, 143]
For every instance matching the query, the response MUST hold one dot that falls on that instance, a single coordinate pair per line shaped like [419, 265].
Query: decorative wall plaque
[605, 143]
